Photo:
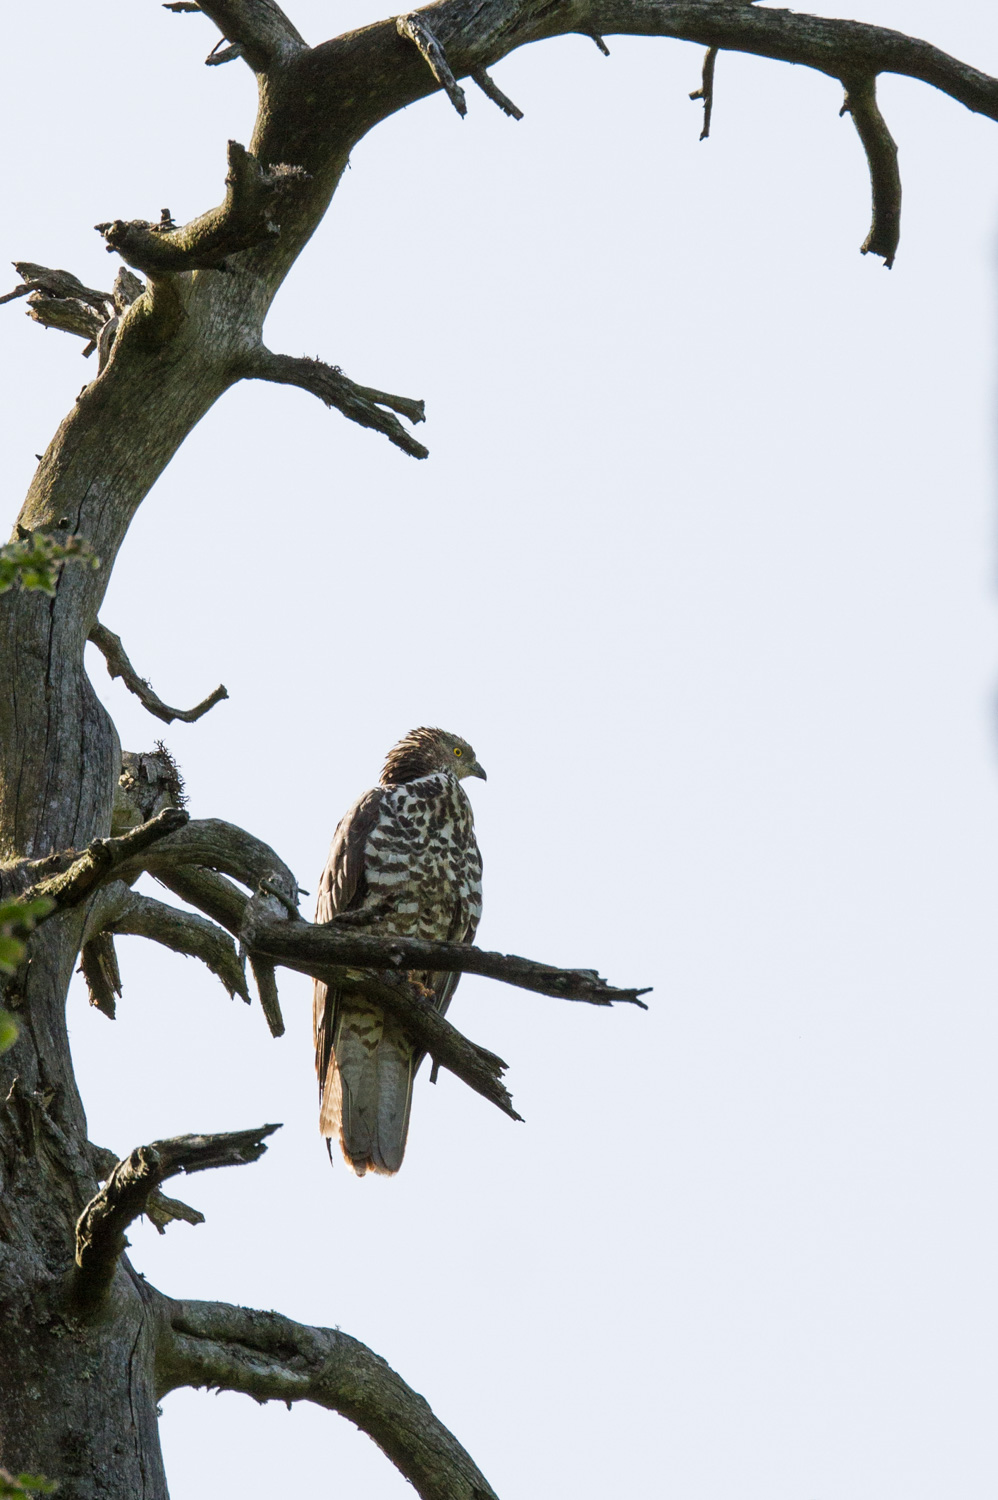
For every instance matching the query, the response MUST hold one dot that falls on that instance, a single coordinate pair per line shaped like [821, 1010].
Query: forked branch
[160, 1209]
[361, 403]
[272, 1358]
[118, 665]
[377, 967]
[58, 299]
[124, 912]
[100, 1229]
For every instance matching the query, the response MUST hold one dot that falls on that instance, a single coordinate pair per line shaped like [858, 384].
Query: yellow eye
[457, 749]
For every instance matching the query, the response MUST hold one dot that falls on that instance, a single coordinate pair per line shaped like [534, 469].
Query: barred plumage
[406, 853]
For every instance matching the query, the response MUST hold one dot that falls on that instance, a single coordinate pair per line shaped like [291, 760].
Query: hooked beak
[477, 771]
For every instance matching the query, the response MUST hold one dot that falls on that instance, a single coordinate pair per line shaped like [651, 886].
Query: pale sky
[703, 564]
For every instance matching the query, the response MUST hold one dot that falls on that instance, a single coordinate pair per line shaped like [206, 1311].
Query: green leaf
[17, 918]
[8, 1030]
[11, 953]
[36, 560]
[25, 1484]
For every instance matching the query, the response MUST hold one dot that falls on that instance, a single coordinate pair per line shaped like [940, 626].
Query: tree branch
[226, 904]
[160, 1210]
[492, 91]
[211, 893]
[416, 29]
[834, 47]
[882, 156]
[271, 1358]
[101, 860]
[99, 967]
[479, 1068]
[333, 943]
[259, 28]
[183, 932]
[265, 978]
[149, 780]
[706, 90]
[476, 1066]
[100, 1229]
[58, 299]
[368, 67]
[118, 665]
[361, 403]
[60, 284]
[329, 952]
[243, 220]
[213, 845]
[68, 316]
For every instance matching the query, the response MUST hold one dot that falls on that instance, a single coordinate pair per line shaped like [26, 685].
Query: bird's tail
[366, 1089]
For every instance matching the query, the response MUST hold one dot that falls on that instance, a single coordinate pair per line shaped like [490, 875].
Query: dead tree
[87, 1347]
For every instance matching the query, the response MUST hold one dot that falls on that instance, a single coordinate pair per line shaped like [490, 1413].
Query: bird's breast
[422, 861]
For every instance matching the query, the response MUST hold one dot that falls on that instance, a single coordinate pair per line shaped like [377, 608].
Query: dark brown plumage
[406, 854]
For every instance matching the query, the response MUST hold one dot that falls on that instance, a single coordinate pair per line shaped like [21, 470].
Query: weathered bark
[78, 1386]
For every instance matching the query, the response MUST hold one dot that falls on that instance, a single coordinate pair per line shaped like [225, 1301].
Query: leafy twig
[35, 560]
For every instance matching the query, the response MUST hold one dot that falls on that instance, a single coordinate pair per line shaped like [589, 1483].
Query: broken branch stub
[882, 158]
[243, 221]
[706, 90]
[259, 29]
[416, 29]
[492, 91]
[149, 782]
[99, 967]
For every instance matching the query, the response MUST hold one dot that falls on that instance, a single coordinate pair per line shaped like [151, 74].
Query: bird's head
[424, 751]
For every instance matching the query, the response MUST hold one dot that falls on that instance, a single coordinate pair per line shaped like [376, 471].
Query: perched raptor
[406, 854]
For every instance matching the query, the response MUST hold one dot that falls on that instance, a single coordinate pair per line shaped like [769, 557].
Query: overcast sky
[703, 564]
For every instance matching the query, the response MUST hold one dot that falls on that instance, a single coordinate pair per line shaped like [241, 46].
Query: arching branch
[215, 845]
[118, 665]
[458, 38]
[272, 1358]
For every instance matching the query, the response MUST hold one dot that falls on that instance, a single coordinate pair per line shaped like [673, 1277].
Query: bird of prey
[405, 858]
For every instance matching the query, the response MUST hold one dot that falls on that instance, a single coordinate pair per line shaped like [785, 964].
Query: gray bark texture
[87, 1347]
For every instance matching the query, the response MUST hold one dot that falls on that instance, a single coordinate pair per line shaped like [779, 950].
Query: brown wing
[342, 887]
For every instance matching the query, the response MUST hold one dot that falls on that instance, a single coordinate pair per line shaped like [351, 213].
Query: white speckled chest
[422, 856]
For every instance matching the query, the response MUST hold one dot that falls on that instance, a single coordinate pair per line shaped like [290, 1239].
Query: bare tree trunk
[86, 1346]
